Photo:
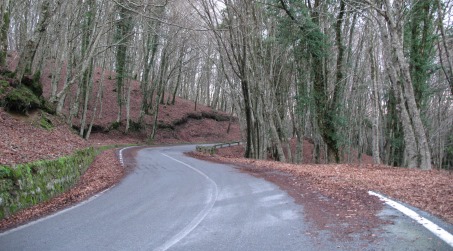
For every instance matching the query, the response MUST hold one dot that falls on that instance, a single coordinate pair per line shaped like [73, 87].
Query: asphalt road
[173, 202]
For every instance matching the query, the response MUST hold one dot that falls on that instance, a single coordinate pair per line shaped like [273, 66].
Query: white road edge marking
[435, 229]
[67, 209]
[120, 155]
[200, 216]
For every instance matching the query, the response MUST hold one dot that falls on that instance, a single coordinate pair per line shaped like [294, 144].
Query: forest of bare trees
[359, 77]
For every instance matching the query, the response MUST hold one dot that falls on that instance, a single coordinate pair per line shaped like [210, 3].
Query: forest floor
[23, 139]
[342, 189]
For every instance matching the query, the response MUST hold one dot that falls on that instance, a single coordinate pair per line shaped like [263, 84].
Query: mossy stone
[22, 100]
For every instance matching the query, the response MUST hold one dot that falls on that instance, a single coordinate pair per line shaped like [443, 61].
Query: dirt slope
[196, 128]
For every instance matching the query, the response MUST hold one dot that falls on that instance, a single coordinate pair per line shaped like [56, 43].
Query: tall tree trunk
[128, 105]
[276, 141]
[4, 27]
[87, 79]
[97, 101]
[178, 79]
[28, 53]
[152, 44]
[448, 60]
[325, 116]
[160, 91]
[395, 32]
[87, 85]
[376, 115]
[124, 27]
[416, 144]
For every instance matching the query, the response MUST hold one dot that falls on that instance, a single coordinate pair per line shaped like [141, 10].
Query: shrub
[3, 86]
[33, 84]
[115, 126]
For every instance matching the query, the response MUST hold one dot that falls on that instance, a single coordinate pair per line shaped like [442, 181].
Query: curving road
[173, 202]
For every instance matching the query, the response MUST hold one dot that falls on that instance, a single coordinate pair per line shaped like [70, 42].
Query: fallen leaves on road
[336, 196]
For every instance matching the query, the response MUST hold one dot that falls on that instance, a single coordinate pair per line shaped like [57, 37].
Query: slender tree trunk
[4, 27]
[152, 44]
[178, 84]
[28, 53]
[273, 130]
[83, 66]
[97, 101]
[74, 107]
[87, 79]
[128, 105]
[376, 119]
[160, 91]
[87, 84]
[124, 27]
[448, 70]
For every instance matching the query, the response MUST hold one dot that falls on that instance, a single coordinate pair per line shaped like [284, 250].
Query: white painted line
[435, 229]
[200, 216]
[55, 214]
[120, 155]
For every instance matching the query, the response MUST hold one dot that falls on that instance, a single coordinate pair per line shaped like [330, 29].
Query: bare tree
[28, 53]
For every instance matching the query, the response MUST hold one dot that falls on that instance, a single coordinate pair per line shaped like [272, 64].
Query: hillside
[40, 135]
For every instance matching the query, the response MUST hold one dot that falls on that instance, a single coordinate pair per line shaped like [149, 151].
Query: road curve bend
[173, 202]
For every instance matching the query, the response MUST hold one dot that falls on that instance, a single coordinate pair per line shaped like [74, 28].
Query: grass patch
[45, 123]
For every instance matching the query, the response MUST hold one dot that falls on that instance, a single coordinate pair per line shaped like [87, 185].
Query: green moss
[135, 126]
[27, 184]
[5, 172]
[3, 86]
[45, 123]
[21, 100]
[33, 83]
[49, 107]
[36, 77]
[9, 74]
[115, 126]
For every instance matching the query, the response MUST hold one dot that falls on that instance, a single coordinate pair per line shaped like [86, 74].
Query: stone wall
[25, 185]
